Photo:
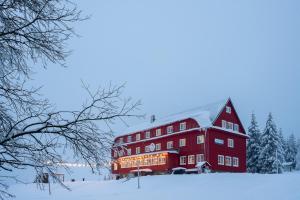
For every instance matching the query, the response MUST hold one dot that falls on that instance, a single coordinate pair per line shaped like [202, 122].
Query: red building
[212, 135]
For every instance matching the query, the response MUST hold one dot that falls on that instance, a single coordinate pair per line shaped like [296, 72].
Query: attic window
[228, 109]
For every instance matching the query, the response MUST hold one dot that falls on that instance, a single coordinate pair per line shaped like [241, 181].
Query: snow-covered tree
[291, 150]
[271, 155]
[298, 158]
[283, 140]
[253, 146]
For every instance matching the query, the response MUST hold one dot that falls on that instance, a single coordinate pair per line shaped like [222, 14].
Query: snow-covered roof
[204, 115]
[178, 168]
[142, 170]
[200, 164]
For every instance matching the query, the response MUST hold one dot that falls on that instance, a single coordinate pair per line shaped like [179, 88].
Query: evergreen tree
[253, 146]
[291, 151]
[298, 157]
[283, 141]
[271, 155]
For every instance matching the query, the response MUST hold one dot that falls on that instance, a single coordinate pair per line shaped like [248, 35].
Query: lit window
[236, 127]
[182, 142]
[138, 137]
[147, 134]
[224, 124]
[170, 129]
[115, 166]
[182, 126]
[200, 158]
[191, 159]
[182, 160]
[228, 161]
[235, 161]
[229, 125]
[129, 139]
[200, 139]
[158, 132]
[158, 146]
[230, 143]
[169, 144]
[137, 150]
[220, 160]
[228, 109]
[128, 152]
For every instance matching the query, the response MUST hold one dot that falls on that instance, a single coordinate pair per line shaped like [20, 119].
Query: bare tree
[32, 133]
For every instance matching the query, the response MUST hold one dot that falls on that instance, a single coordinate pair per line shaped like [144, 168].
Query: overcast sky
[176, 55]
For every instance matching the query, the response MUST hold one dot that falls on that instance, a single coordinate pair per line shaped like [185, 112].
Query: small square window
[182, 126]
[230, 143]
[137, 150]
[129, 139]
[229, 125]
[147, 149]
[182, 160]
[170, 129]
[158, 132]
[236, 127]
[191, 159]
[147, 134]
[220, 160]
[182, 142]
[228, 161]
[158, 146]
[138, 137]
[200, 158]
[235, 161]
[200, 139]
[169, 144]
[228, 109]
[224, 124]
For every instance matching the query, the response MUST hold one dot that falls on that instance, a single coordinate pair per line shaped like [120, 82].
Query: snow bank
[175, 187]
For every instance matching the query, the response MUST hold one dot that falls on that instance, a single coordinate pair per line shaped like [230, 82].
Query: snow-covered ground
[176, 187]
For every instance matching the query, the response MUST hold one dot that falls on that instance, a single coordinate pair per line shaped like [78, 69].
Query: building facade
[211, 134]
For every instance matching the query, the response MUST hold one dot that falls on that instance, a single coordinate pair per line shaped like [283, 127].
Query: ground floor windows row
[228, 161]
[191, 159]
[143, 162]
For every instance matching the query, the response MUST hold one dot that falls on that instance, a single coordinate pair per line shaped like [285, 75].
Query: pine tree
[298, 157]
[291, 151]
[253, 146]
[271, 155]
[283, 141]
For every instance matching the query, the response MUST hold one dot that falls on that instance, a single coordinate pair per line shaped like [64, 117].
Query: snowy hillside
[175, 187]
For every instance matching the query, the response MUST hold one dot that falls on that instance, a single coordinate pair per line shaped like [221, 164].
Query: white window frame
[147, 134]
[138, 137]
[137, 150]
[228, 161]
[200, 139]
[228, 109]
[158, 132]
[191, 159]
[115, 153]
[169, 144]
[235, 161]
[147, 149]
[230, 143]
[220, 160]
[182, 126]
[182, 142]
[129, 152]
[115, 166]
[229, 126]
[169, 129]
[219, 141]
[121, 140]
[236, 127]
[224, 124]
[129, 138]
[182, 160]
[158, 146]
[199, 158]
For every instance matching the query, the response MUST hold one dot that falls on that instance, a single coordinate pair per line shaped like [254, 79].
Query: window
[147, 149]
[121, 153]
[200, 139]
[158, 132]
[236, 127]
[138, 137]
[147, 134]
[199, 158]
[121, 140]
[228, 161]
[158, 146]
[128, 152]
[235, 161]
[224, 124]
[182, 160]
[220, 160]
[229, 125]
[115, 166]
[182, 142]
[137, 150]
[182, 126]
[191, 159]
[169, 144]
[129, 139]
[230, 143]
[219, 141]
[170, 129]
[115, 153]
[228, 109]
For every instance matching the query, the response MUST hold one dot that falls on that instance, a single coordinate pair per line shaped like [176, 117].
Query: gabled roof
[204, 115]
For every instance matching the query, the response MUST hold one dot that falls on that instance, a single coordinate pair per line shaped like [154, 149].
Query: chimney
[152, 119]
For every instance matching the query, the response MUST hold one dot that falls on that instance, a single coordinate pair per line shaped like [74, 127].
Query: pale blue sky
[175, 55]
